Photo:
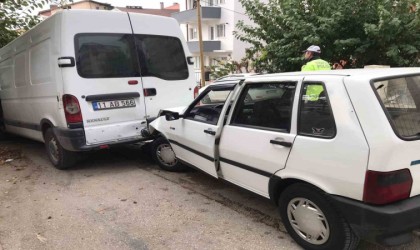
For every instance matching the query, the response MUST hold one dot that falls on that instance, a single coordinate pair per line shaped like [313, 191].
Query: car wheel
[59, 157]
[312, 221]
[165, 157]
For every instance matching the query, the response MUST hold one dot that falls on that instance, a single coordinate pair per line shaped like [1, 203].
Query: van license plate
[115, 104]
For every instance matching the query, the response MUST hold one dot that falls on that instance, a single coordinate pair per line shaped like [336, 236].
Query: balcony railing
[208, 46]
[190, 16]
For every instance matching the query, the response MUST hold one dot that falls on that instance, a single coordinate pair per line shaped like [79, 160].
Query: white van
[84, 80]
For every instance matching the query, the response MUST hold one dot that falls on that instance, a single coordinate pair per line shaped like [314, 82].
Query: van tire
[59, 157]
[330, 222]
[165, 157]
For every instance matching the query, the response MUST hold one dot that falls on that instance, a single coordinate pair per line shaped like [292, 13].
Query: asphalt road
[119, 199]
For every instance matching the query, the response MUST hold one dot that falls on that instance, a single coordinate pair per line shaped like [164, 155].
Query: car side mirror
[171, 116]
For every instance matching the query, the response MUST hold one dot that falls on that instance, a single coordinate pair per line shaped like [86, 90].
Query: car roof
[235, 76]
[223, 85]
[364, 74]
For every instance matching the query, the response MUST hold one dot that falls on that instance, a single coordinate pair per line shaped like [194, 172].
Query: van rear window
[125, 55]
[106, 55]
[400, 98]
[162, 57]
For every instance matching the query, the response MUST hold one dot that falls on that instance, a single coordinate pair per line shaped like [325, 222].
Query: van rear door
[106, 80]
[162, 52]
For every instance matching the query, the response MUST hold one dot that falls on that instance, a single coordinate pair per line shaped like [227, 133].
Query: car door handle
[210, 132]
[282, 143]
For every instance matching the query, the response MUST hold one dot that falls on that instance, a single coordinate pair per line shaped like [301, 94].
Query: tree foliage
[360, 32]
[226, 67]
[16, 17]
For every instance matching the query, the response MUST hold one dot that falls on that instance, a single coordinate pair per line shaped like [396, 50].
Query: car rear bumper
[75, 140]
[387, 225]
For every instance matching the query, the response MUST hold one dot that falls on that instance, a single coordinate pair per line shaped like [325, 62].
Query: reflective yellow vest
[317, 64]
[313, 91]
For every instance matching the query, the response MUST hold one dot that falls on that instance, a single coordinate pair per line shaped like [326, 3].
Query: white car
[337, 151]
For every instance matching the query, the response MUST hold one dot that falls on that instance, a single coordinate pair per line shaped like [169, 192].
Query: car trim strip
[246, 167]
[192, 150]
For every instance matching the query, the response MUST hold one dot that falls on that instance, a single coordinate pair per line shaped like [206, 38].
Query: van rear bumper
[387, 225]
[75, 140]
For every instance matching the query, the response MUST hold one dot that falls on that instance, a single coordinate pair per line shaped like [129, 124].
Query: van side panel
[30, 77]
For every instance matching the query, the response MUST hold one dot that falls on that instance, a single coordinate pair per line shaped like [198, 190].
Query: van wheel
[312, 221]
[59, 157]
[165, 157]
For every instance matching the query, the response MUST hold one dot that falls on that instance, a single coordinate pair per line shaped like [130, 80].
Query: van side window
[106, 55]
[208, 108]
[315, 115]
[162, 57]
[266, 106]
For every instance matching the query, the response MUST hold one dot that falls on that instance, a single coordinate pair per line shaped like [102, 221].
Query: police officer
[313, 60]
[313, 63]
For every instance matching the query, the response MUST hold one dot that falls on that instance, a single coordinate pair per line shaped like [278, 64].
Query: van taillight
[387, 187]
[72, 109]
[195, 92]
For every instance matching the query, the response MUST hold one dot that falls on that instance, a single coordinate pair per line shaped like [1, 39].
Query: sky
[149, 4]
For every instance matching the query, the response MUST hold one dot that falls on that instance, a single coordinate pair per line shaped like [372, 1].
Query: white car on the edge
[337, 151]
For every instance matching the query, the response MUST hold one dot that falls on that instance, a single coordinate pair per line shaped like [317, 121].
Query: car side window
[315, 114]
[266, 106]
[208, 108]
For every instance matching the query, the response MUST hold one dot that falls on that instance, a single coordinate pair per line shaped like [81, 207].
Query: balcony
[190, 16]
[208, 46]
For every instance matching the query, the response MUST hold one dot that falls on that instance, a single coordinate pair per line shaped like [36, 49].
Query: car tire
[312, 221]
[165, 157]
[59, 157]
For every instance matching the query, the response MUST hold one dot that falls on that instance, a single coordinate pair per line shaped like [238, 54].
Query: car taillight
[195, 92]
[387, 187]
[72, 109]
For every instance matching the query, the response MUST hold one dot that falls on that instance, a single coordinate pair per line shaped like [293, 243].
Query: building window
[222, 1]
[220, 30]
[211, 33]
[193, 33]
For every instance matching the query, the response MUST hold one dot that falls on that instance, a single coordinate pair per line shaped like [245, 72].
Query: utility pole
[200, 42]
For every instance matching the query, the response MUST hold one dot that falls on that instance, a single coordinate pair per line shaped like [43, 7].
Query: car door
[257, 140]
[193, 137]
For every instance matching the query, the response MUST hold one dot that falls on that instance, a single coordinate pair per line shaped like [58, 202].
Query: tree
[16, 17]
[247, 64]
[359, 32]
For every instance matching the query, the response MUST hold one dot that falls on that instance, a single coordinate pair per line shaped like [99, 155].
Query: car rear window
[400, 98]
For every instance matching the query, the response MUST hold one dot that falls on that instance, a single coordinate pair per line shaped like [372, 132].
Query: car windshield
[401, 99]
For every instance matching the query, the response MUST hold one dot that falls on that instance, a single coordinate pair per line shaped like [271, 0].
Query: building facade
[219, 19]
[95, 5]
[85, 5]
